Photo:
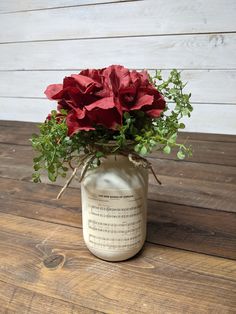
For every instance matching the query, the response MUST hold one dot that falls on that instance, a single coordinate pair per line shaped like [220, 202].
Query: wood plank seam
[200, 137]
[205, 85]
[117, 37]
[44, 98]
[148, 18]
[80, 227]
[131, 68]
[189, 250]
[70, 6]
[146, 241]
[151, 187]
[168, 50]
[150, 157]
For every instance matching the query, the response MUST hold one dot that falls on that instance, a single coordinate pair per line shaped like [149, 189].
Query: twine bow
[87, 161]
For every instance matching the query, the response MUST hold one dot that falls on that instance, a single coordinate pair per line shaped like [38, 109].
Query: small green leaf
[36, 166]
[51, 168]
[167, 149]
[37, 159]
[126, 115]
[143, 150]
[185, 111]
[99, 154]
[36, 177]
[51, 176]
[63, 111]
[137, 148]
[172, 139]
[152, 142]
[138, 138]
[180, 154]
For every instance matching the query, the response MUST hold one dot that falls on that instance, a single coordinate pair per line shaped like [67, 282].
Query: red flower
[99, 97]
[134, 90]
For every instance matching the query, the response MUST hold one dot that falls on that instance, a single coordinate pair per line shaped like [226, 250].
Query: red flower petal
[80, 114]
[144, 78]
[98, 97]
[103, 103]
[54, 91]
[75, 125]
[117, 77]
[94, 74]
[154, 113]
[85, 82]
[109, 118]
[143, 101]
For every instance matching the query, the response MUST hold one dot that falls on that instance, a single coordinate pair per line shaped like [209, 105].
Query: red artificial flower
[99, 97]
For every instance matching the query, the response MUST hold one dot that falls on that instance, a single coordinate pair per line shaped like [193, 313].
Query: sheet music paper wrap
[114, 208]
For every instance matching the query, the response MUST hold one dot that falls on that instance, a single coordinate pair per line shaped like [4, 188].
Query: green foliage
[139, 133]
[54, 148]
[162, 132]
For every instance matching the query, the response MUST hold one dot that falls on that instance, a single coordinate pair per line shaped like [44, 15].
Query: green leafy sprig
[139, 134]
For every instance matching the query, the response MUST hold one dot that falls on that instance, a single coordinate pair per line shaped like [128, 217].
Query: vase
[114, 208]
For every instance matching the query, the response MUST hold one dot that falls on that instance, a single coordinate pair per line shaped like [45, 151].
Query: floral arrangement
[110, 111]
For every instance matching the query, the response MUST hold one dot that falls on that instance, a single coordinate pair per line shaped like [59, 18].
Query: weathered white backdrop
[41, 41]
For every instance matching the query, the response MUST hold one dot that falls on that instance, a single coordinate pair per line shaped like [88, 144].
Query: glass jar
[114, 208]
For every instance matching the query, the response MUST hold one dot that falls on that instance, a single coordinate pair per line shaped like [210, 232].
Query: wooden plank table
[186, 266]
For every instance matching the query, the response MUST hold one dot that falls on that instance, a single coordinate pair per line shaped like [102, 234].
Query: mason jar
[114, 208]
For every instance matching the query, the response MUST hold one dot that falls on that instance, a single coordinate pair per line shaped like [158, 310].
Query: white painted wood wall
[41, 41]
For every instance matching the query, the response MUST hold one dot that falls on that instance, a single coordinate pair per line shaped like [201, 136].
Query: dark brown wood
[44, 260]
[219, 153]
[32, 127]
[54, 261]
[207, 137]
[192, 228]
[15, 299]
[15, 124]
[187, 227]
[160, 280]
[194, 193]
[208, 148]
[16, 161]
[188, 183]
[17, 132]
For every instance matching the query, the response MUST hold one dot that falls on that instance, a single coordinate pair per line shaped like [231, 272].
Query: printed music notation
[115, 221]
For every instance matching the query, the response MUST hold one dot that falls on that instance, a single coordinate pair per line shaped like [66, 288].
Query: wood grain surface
[188, 262]
[190, 210]
[159, 280]
[193, 36]
[180, 180]
[180, 187]
[209, 148]
[17, 159]
[15, 299]
[188, 227]
[164, 52]
[45, 265]
[152, 17]
[27, 128]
